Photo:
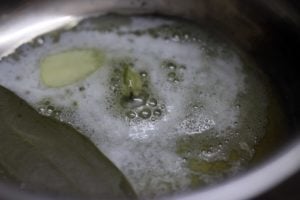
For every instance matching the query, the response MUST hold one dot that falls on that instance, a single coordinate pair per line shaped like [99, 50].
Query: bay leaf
[132, 83]
[43, 154]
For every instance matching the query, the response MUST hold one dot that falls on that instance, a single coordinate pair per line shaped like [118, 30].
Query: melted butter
[202, 117]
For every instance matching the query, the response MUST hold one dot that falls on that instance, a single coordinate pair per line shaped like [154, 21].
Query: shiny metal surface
[251, 25]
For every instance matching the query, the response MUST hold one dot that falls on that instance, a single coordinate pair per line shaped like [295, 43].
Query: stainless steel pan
[268, 31]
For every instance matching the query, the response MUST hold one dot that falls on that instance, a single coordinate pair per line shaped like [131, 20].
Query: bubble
[177, 80]
[145, 113]
[81, 88]
[135, 102]
[207, 153]
[182, 67]
[40, 41]
[244, 146]
[144, 74]
[205, 127]
[162, 106]
[157, 112]
[171, 67]
[175, 38]
[131, 114]
[57, 113]
[115, 80]
[113, 88]
[50, 109]
[195, 106]
[42, 110]
[171, 76]
[152, 102]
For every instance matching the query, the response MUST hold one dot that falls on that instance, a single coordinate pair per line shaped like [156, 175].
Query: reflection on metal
[13, 39]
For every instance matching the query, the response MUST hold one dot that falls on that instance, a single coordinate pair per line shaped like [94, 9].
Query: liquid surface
[197, 116]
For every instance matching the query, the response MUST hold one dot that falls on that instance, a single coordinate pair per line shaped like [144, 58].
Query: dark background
[288, 190]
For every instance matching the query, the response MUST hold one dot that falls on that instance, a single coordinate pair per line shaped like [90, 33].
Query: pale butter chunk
[68, 67]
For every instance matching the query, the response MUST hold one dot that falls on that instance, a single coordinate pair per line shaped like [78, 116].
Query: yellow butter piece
[68, 67]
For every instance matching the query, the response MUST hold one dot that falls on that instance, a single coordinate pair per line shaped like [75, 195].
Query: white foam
[140, 23]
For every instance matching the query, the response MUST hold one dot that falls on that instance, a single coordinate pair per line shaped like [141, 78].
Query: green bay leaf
[45, 155]
[132, 83]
